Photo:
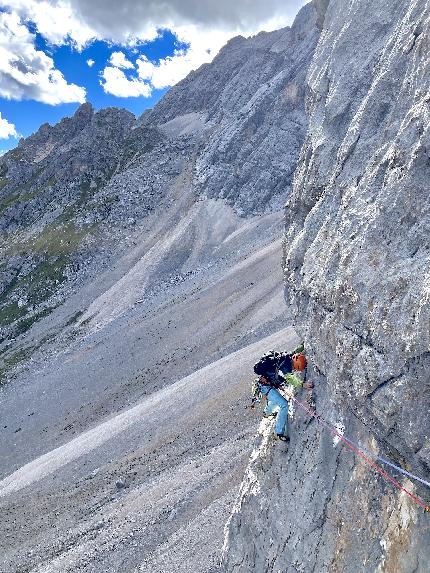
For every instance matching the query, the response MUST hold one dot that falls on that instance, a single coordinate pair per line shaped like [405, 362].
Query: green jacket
[290, 378]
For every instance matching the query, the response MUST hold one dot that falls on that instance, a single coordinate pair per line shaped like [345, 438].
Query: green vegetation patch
[59, 238]
[19, 197]
[51, 250]
[39, 285]
[18, 356]
[8, 201]
[12, 360]
[55, 239]
[3, 170]
[26, 323]
[43, 281]
[11, 312]
[10, 288]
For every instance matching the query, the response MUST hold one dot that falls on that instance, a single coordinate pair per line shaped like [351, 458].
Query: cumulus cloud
[124, 22]
[90, 63]
[119, 20]
[119, 60]
[204, 25]
[147, 75]
[56, 20]
[115, 82]
[7, 129]
[28, 73]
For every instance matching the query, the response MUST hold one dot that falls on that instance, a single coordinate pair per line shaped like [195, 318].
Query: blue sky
[59, 53]
[28, 115]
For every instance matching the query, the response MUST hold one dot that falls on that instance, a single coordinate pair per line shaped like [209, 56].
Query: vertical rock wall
[358, 225]
[357, 280]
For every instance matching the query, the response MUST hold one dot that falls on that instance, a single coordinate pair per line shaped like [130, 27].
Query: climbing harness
[367, 456]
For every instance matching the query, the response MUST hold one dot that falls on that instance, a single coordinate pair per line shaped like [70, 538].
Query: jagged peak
[117, 112]
[84, 110]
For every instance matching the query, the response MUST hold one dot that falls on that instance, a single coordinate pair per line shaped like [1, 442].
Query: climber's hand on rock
[308, 385]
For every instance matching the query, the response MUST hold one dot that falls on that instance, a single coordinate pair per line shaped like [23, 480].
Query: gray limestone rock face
[252, 98]
[358, 224]
[57, 207]
[356, 264]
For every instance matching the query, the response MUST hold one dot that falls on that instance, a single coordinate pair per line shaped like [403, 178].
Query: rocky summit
[147, 263]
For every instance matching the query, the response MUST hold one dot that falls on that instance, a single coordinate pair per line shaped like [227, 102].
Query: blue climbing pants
[276, 403]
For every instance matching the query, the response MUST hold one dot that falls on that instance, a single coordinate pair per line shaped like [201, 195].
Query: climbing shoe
[283, 438]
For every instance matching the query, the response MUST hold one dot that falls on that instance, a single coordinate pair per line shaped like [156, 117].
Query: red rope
[363, 456]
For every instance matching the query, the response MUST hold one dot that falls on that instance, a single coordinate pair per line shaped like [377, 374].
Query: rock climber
[275, 370]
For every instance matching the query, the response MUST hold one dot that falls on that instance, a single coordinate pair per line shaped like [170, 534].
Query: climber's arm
[296, 382]
[299, 349]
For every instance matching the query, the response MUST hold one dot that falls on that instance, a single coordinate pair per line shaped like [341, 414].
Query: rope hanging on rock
[375, 456]
[360, 452]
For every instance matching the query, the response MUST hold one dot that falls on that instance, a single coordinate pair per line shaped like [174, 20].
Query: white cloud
[118, 60]
[127, 21]
[28, 73]
[166, 72]
[128, 18]
[116, 83]
[170, 70]
[204, 25]
[7, 129]
[56, 20]
[90, 63]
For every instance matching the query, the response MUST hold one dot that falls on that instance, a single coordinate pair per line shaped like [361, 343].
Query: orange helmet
[299, 361]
